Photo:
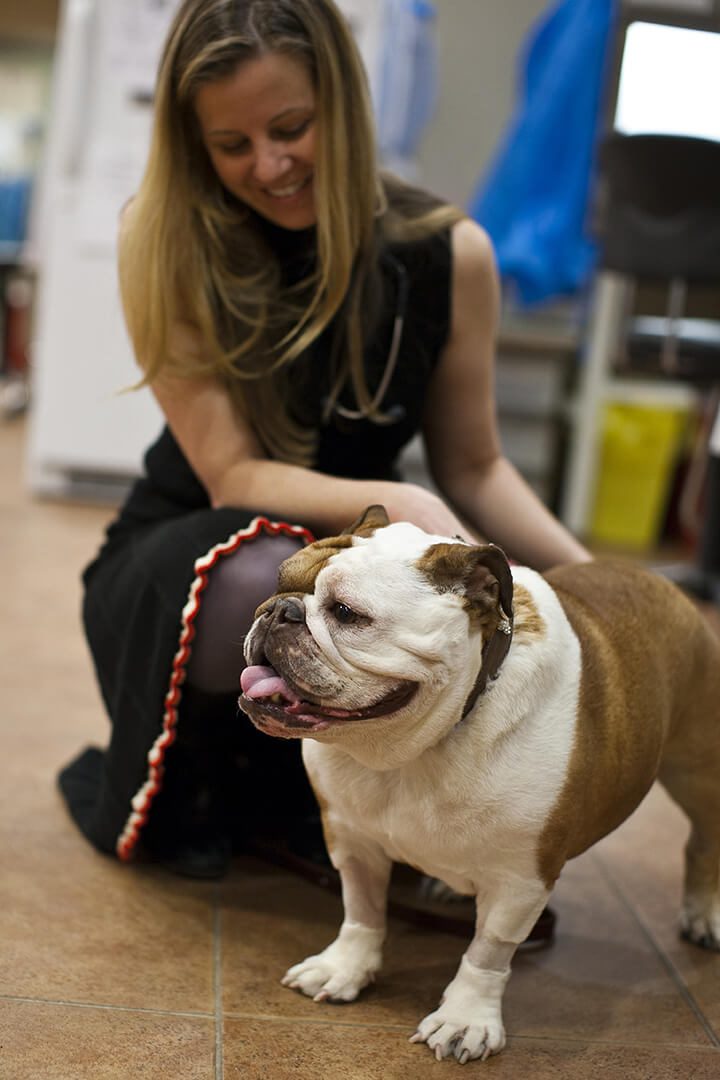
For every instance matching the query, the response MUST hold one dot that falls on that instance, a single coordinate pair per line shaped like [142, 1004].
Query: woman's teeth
[286, 192]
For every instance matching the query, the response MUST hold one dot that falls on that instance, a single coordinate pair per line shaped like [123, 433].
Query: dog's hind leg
[697, 792]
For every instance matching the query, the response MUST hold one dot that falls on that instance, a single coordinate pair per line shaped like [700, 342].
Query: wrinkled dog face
[367, 627]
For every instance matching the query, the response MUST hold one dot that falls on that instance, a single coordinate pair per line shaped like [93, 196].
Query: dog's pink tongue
[261, 682]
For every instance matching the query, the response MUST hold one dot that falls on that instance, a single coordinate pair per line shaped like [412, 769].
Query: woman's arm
[231, 465]
[460, 426]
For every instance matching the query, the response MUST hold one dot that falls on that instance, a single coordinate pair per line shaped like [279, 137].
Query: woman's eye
[294, 133]
[344, 614]
[235, 148]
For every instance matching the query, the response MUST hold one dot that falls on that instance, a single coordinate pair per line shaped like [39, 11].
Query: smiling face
[258, 127]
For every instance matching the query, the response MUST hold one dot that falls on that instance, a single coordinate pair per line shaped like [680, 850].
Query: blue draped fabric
[534, 199]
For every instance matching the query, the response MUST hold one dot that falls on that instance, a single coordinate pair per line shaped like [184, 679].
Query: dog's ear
[375, 517]
[490, 583]
[482, 572]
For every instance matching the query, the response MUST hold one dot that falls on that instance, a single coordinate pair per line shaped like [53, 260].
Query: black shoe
[297, 846]
[202, 852]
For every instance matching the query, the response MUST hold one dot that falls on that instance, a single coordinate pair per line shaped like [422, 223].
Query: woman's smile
[290, 190]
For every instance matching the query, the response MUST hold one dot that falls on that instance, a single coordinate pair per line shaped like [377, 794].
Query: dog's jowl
[484, 724]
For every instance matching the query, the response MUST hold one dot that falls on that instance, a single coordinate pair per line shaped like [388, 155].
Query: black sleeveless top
[353, 449]
[145, 585]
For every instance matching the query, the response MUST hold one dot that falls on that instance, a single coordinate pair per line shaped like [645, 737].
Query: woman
[298, 316]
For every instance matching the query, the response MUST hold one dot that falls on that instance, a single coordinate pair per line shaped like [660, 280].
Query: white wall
[478, 42]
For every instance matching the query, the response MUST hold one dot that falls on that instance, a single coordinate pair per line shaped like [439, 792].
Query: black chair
[658, 222]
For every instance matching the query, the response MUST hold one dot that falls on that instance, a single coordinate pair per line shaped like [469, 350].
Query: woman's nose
[271, 163]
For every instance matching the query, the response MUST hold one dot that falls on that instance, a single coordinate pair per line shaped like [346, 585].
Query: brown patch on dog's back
[646, 651]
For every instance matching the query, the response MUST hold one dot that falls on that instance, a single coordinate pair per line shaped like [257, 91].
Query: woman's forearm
[495, 501]
[323, 503]
[503, 508]
[327, 504]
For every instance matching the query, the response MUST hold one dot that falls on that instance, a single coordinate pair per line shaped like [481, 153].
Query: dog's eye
[344, 614]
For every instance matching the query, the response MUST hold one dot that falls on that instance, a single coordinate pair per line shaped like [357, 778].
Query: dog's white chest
[430, 833]
[424, 817]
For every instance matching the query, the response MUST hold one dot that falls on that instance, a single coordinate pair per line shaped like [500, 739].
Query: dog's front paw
[342, 970]
[323, 980]
[468, 1024]
[464, 1038]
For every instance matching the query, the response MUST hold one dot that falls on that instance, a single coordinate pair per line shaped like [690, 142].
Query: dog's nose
[289, 609]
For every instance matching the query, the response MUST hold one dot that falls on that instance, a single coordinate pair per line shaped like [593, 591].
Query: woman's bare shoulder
[472, 248]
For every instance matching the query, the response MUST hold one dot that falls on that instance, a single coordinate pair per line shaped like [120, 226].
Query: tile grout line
[376, 1025]
[280, 1018]
[60, 1003]
[667, 963]
[217, 981]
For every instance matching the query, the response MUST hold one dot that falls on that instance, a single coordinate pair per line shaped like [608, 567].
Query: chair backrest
[659, 211]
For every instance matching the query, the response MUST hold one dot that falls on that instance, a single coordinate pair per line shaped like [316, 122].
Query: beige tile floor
[118, 972]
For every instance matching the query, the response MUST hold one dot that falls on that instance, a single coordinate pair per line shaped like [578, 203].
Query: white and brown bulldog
[484, 725]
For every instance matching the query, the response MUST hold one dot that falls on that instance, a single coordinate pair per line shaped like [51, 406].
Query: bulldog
[484, 724]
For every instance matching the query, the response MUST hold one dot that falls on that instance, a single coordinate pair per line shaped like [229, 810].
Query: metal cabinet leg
[604, 336]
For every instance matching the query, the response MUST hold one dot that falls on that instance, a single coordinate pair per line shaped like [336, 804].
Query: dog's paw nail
[322, 995]
[464, 1057]
[416, 1038]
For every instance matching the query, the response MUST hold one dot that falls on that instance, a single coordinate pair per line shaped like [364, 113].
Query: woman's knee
[251, 572]
[236, 585]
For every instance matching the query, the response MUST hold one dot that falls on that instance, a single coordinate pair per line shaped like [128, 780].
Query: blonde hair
[192, 253]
